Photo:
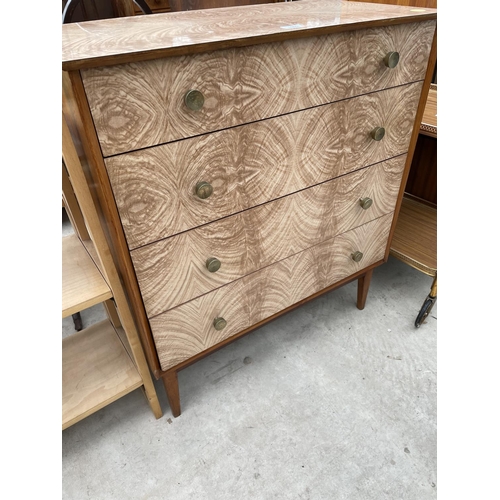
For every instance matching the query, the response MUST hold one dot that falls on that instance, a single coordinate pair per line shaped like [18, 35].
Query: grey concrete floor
[327, 402]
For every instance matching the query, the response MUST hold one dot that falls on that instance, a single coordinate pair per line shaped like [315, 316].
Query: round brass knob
[377, 133]
[194, 100]
[203, 190]
[391, 59]
[213, 264]
[357, 256]
[365, 203]
[220, 323]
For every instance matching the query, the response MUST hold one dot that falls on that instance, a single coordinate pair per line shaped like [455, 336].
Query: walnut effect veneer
[153, 187]
[258, 237]
[305, 138]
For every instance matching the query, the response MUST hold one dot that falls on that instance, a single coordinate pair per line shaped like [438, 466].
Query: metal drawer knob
[194, 100]
[220, 323]
[377, 134]
[203, 190]
[365, 203]
[357, 256]
[391, 59]
[213, 264]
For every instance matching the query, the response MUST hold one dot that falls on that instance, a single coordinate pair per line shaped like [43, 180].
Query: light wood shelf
[96, 370]
[83, 286]
[415, 237]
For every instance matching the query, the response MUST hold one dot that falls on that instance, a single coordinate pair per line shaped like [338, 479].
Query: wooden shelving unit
[105, 361]
[96, 368]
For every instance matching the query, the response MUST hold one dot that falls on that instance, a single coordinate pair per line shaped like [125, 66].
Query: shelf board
[415, 237]
[83, 285]
[96, 370]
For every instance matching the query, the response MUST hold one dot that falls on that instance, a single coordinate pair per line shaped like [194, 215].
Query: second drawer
[178, 269]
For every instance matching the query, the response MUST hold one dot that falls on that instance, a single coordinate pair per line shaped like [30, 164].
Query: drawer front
[187, 330]
[249, 165]
[138, 105]
[256, 238]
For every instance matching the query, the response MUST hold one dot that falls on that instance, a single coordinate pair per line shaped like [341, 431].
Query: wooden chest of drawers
[246, 159]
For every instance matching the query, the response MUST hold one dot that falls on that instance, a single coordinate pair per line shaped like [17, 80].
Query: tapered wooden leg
[363, 286]
[172, 389]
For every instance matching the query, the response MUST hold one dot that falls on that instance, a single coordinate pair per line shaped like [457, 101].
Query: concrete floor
[327, 402]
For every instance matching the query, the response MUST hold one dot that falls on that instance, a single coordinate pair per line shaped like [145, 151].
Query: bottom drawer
[186, 330]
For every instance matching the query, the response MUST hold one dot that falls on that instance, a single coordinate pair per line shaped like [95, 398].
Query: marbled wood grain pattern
[186, 330]
[173, 271]
[138, 105]
[255, 163]
[113, 41]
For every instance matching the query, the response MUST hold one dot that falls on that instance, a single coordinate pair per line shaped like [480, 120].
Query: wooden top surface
[114, 41]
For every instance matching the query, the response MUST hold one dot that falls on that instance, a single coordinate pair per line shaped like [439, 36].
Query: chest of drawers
[245, 160]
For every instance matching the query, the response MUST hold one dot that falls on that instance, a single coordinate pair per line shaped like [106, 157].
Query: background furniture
[415, 237]
[87, 10]
[178, 5]
[105, 361]
[246, 169]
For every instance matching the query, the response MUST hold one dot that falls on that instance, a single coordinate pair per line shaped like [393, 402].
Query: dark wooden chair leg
[77, 320]
[363, 286]
[172, 389]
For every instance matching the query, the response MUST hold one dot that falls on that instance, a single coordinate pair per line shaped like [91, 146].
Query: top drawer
[138, 105]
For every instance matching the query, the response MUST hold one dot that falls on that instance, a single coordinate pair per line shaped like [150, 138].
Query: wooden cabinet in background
[161, 6]
[156, 6]
[422, 180]
[247, 161]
